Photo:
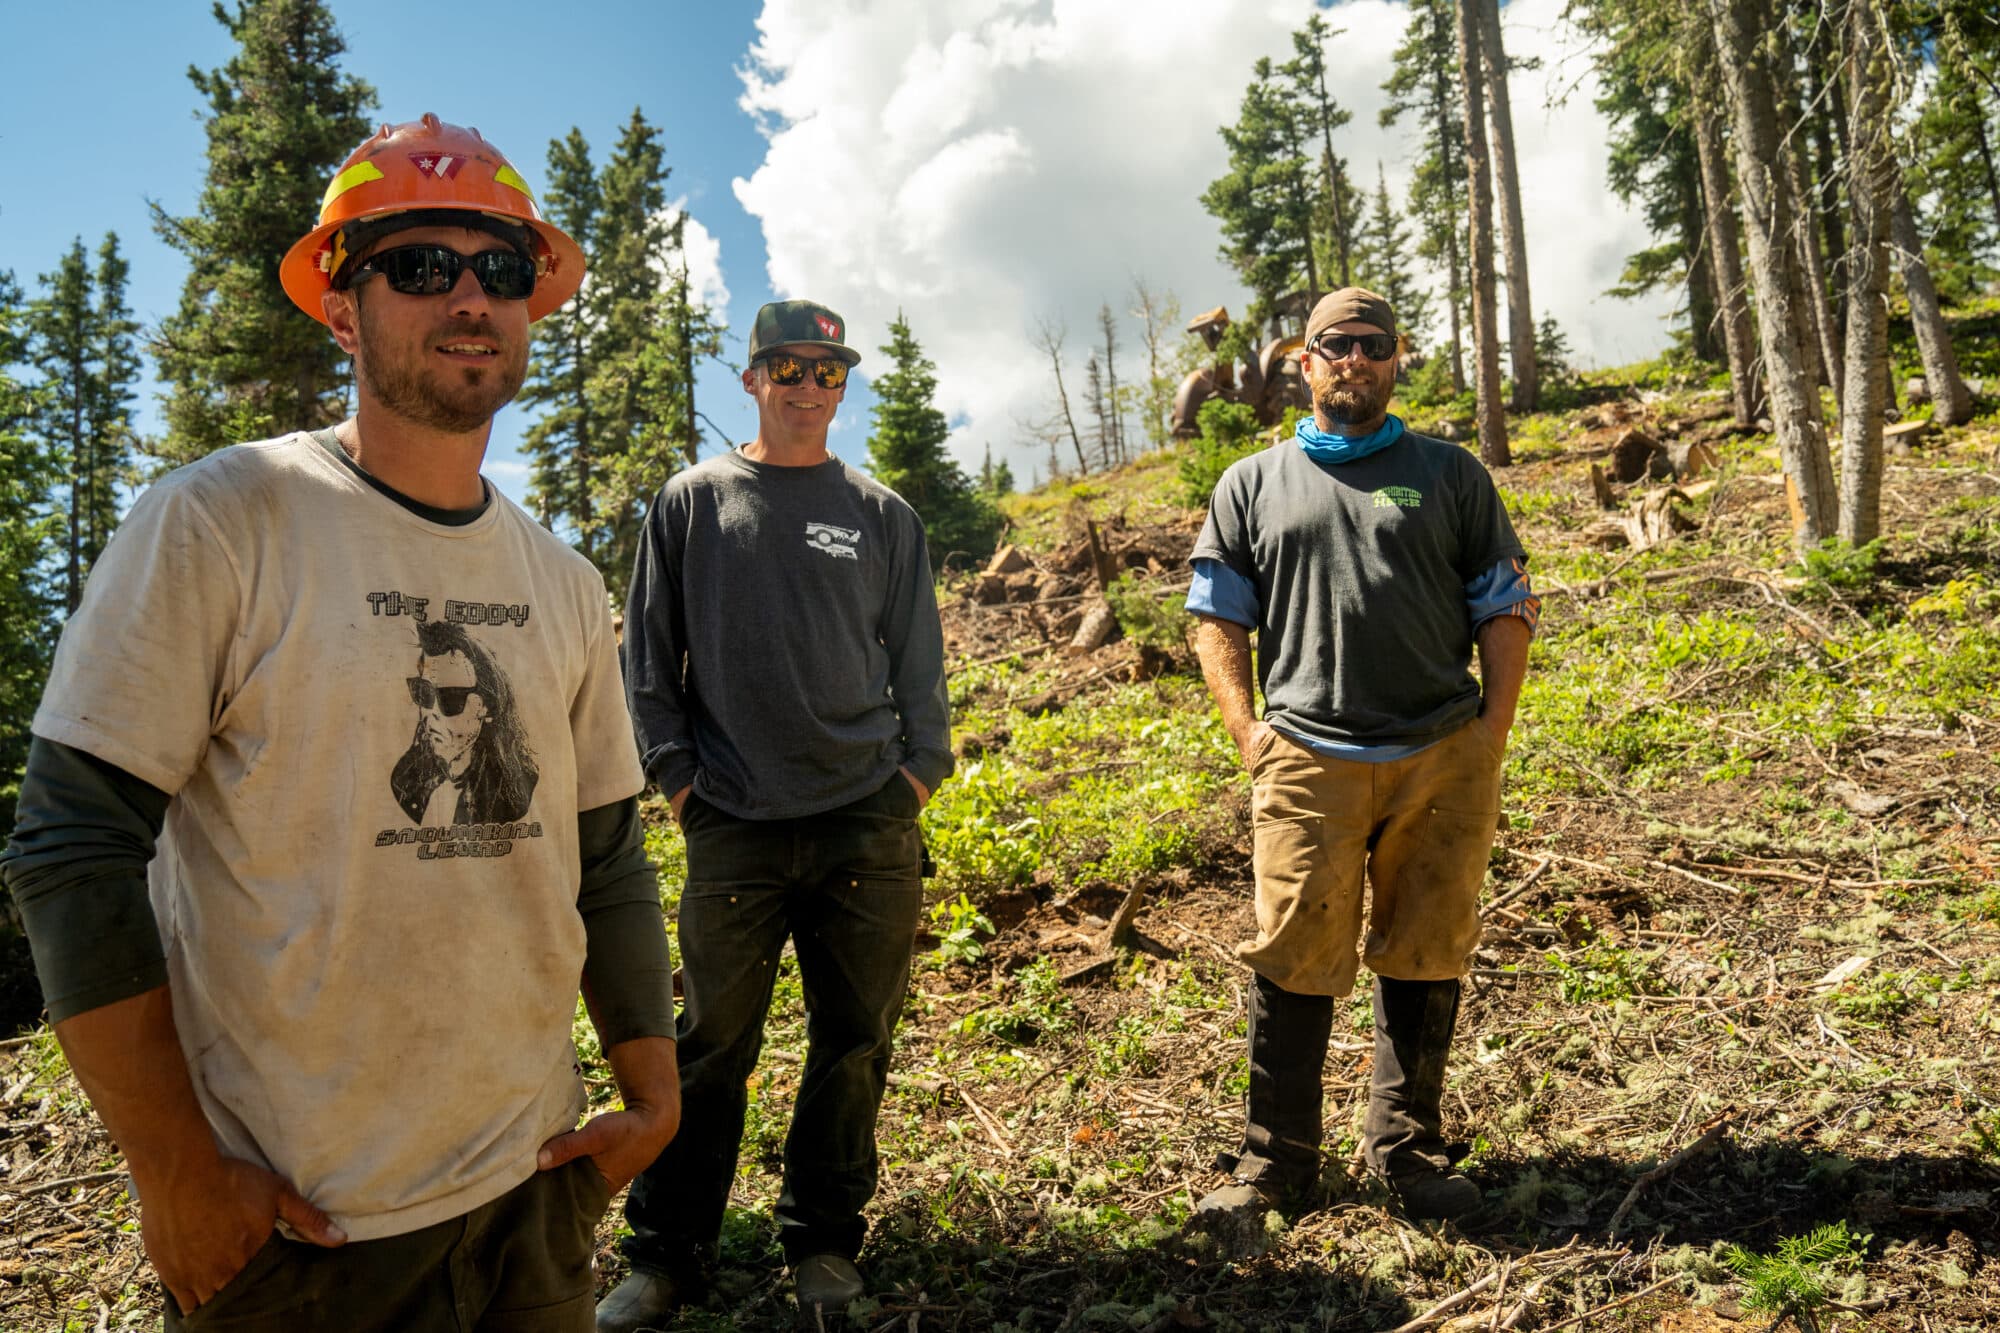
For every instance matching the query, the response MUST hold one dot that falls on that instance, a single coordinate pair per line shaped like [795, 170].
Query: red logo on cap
[827, 327]
[443, 166]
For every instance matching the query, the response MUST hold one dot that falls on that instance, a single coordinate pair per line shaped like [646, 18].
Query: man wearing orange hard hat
[331, 801]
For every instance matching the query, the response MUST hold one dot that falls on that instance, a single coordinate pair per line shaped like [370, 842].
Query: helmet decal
[511, 178]
[358, 174]
[443, 166]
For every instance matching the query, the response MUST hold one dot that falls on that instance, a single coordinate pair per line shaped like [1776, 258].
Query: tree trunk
[1952, 405]
[1724, 244]
[1770, 209]
[1485, 319]
[1513, 231]
[1872, 183]
[1986, 151]
[1820, 117]
[1812, 264]
[1454, 270]
[1704, 303]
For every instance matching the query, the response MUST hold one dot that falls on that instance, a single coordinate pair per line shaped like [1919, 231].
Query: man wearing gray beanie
[1370, 561]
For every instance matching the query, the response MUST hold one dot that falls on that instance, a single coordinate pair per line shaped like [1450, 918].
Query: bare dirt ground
[1743, 937]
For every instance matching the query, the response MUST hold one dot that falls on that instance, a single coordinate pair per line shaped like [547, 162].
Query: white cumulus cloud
[982, 165]
[704, 259]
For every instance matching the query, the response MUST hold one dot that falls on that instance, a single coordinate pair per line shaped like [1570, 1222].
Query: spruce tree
[31, 536]
[995, 479]
[906, 453]
[239, 360]
[1425, 83]
[559, 442]
[1322, 114]
[1265, 202]
[1382, 263]
[81, 337]
[613, 372]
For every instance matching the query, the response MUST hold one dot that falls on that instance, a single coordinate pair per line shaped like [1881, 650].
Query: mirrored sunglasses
[828, 372]
[447, 699]
[1337, 346]
[432, 270]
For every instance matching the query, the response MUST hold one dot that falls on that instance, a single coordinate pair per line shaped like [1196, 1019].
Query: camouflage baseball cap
[794, 323]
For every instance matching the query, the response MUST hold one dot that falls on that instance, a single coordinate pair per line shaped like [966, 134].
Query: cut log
[1098, 627]
[1632, 456]
[1601, 488]
[990, 590]
[1009, 559]
[1024, 586]
[1904, 436]
[1690, 458]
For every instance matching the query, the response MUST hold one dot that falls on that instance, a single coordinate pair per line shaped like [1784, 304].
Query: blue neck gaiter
[1325, 447]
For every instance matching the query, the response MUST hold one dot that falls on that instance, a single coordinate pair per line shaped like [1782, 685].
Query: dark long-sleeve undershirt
[86, 829]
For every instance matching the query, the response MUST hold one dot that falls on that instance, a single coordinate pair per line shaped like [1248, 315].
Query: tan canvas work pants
[1417, 830]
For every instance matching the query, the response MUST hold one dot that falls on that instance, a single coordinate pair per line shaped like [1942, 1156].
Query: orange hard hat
[428, 166]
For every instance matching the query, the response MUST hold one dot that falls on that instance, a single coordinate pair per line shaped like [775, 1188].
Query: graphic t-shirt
[1363, 636]
[377, 731]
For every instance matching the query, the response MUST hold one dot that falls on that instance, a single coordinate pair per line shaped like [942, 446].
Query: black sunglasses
[1337, 346]
[447, 699]
[828, 372]
[432, 270]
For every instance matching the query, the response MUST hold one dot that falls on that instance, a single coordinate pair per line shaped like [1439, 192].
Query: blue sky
[97, 117]
[985, 167]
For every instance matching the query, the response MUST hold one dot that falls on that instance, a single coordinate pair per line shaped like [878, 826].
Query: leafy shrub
[1160, 621]
[1228, 432]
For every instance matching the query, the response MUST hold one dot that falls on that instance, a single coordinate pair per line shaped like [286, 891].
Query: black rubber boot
[1414, 1021]
[1281, 1133]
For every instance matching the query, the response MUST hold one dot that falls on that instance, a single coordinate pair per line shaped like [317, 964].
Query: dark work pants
[1281, 1133]
[844, 887]
[520, 1264]
[1414, 1021]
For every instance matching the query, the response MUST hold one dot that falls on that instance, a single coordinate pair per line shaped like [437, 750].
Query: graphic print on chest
[835, 541]
[1399, 497]
[468, 775]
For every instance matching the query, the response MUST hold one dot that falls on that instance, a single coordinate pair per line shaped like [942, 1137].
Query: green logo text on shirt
[1404, 496]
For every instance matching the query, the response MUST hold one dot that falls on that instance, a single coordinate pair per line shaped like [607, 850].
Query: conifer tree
[1425, 83]
[1159, 314]
[1383, 257]
[559, 443]
[238, 359]
[30, 540]
[995, 479]
[1322, 115]
[613, 372]
[82, 340]
[1265, 202]
[906, 453]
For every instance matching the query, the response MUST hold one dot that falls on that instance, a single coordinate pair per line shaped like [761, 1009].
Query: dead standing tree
[1770, 209]
[1049, 337]
[1491, 412]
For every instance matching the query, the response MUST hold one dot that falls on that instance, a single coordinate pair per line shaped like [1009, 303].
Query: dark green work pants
[520, 1264]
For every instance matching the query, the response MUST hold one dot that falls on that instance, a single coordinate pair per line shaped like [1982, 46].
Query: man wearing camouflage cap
[1370, 561]
[786, 671]
[369, 715]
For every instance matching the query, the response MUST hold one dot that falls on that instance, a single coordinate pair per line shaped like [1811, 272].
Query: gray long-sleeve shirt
[782, 646]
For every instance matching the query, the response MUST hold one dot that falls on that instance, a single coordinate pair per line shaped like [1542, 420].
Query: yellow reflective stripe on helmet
[358, 174]
[512, 180]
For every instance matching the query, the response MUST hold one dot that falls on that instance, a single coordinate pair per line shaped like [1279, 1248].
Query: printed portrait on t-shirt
[468, 761]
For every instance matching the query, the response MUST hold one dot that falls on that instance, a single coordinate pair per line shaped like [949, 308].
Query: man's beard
[455, 404]
[1349, 403]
